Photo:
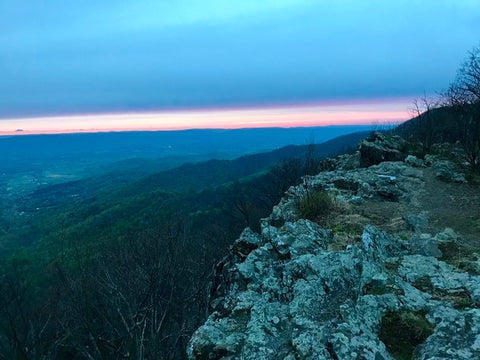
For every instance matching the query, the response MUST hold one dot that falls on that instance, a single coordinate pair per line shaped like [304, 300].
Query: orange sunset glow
[379, 112]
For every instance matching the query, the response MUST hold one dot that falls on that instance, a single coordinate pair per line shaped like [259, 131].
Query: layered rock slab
[296, 300]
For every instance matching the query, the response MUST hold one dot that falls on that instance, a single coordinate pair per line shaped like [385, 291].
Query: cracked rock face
[287, 295]
[299, 301]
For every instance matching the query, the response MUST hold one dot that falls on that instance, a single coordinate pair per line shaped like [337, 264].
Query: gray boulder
[378, 148]
[444, 169]
[418, 222]
[413, 161]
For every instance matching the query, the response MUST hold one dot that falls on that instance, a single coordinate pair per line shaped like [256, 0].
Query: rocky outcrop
[444, 169]
[379, 148]
[295, 300]
[295, 291]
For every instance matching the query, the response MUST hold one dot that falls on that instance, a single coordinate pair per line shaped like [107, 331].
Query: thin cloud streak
[350, 113]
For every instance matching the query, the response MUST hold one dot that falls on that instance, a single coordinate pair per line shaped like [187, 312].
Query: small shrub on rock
[315, 206]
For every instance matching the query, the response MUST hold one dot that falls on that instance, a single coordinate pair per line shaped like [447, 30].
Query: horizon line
[286, 116]
[106, 131]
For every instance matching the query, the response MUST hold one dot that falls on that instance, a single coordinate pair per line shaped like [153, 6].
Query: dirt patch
[437, 205]
[385, 215]
[456, 206]
[453, 205]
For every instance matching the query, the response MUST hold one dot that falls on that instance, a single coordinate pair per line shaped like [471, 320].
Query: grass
[315, 206]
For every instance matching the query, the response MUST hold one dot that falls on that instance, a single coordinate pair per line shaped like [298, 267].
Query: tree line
[454, 116]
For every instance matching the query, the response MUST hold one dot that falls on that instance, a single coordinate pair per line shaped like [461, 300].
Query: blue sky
[65, 57]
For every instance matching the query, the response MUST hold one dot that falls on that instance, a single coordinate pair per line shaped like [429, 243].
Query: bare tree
[25, 324]
[311, 161]
[282, 176]
[463, 99]
[130, 302]
[422, 111]
[241, 204]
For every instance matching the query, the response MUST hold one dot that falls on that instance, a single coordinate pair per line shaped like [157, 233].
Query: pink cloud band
[320, 114]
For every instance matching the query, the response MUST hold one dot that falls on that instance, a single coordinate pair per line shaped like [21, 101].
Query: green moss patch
[450, 251]
[402, 332]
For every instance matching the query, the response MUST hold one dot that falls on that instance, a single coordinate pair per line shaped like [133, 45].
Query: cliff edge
[377, 277]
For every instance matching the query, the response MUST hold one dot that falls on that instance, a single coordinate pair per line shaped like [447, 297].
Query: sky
[85, 62]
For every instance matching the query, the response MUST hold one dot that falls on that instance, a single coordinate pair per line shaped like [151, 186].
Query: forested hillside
[110, 270]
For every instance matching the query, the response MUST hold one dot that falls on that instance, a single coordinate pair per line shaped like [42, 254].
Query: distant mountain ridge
[192, 176]
[209, 173]
[115, 146]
